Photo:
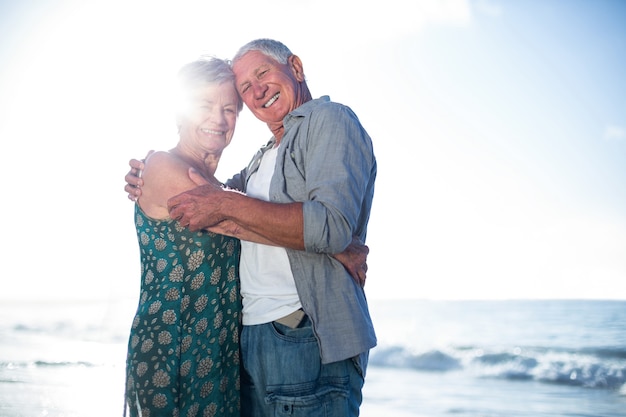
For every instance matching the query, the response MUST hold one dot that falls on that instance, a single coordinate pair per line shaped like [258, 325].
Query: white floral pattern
[175, 358]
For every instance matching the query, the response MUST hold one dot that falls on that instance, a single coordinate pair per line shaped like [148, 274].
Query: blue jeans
[283, 375]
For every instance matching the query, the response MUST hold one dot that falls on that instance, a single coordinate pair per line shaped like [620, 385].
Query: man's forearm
[281, 224]
[230, 228]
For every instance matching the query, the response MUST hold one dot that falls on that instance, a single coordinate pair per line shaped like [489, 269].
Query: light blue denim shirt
[326, 160]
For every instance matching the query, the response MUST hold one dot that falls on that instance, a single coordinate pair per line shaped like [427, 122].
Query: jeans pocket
[327, 397]
[302, 334]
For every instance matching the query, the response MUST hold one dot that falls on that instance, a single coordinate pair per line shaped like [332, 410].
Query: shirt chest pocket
[293, 170]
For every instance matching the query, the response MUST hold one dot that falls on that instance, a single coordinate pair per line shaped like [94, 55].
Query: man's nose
[259, 89]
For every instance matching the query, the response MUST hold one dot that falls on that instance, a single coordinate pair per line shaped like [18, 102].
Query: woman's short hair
[204, 70]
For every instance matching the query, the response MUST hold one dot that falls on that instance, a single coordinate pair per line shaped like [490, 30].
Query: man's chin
[269, 118]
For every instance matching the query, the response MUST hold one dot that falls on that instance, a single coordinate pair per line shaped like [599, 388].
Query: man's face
[270, 90]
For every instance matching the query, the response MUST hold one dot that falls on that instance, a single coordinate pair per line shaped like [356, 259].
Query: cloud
[614, 133]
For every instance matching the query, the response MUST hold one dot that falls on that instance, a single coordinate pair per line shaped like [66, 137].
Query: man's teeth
[212, 132]
[272, 100]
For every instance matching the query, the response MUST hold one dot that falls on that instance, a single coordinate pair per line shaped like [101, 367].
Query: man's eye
[245, 88]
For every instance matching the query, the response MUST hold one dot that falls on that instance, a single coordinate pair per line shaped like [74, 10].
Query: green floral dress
[183, 350]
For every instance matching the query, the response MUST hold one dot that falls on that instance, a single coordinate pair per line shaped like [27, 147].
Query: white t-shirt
[267, 285]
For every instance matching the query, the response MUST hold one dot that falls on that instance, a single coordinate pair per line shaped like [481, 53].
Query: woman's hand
[354, 259]
[133, 178]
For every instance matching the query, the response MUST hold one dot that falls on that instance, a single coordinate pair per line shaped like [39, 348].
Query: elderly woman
[183, 351]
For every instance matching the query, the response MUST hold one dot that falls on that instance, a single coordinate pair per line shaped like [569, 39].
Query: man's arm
[353, 258]
[207, 206]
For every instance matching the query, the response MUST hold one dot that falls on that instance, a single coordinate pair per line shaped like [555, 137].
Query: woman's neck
[204, 163]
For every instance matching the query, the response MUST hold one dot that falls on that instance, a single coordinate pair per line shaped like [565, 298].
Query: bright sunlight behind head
[499, 128]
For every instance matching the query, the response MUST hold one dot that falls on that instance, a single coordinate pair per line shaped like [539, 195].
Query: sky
[499, 129]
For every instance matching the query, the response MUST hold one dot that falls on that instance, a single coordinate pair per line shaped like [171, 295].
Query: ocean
[434, 358]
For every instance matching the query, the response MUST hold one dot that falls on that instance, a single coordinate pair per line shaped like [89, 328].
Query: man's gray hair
[269, 47]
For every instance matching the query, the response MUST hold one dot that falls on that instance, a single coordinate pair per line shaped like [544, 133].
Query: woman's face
[209, 118]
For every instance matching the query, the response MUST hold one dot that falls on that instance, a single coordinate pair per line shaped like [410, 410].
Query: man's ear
[296, 67]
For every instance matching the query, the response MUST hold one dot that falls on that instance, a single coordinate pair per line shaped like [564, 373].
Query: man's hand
[197, 208]
[133, 178]
[354, 259]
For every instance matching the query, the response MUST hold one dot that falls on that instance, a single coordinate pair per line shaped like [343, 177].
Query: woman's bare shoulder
[164, 176]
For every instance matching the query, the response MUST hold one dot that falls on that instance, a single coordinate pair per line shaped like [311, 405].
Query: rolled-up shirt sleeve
[339, 170]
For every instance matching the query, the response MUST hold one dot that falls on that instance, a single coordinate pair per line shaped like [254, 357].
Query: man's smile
[271, 100]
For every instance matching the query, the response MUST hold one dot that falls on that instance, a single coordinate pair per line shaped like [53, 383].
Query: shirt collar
[305, 109]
